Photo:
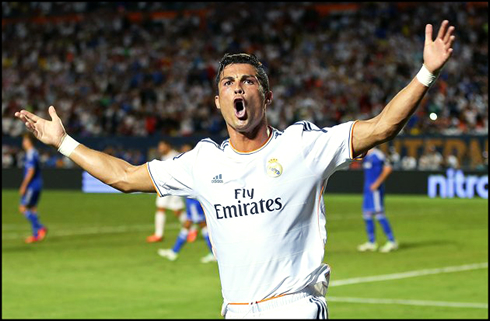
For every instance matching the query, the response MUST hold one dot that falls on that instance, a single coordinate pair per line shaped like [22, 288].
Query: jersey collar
[271, 130]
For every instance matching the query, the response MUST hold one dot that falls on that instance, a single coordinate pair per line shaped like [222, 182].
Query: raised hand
[48, 132]
[437, 52]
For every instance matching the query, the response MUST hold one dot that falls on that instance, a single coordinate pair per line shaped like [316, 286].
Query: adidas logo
[217, 179]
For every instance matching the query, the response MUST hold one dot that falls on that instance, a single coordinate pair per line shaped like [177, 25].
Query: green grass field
[95, 262]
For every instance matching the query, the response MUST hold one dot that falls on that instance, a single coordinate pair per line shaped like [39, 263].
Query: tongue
[240, 110]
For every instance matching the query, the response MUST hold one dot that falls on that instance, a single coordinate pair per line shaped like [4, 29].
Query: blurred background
[124, 75]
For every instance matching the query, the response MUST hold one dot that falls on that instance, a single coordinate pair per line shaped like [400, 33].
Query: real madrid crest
[274, 169]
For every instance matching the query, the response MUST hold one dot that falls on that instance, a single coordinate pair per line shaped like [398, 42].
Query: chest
[254, 183]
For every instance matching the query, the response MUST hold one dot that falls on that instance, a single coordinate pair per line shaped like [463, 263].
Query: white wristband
[68, 145]
[426, 77]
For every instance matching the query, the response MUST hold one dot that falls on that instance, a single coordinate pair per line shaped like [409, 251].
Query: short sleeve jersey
[32, 160]
[264, 209]
[177, 203]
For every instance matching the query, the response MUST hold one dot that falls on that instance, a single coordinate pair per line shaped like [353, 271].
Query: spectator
[431, 159]
[409, 163]
[394, 158]
[452, 161]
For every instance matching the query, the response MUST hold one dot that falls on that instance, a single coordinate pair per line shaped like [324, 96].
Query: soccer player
[261, 189]
[30, 189]
[376, 170]
[164, 203]
[195, 215]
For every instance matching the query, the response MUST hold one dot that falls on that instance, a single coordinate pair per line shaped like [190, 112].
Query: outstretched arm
[393, 117]
[111, 170]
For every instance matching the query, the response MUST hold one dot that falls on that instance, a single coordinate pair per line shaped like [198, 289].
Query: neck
[249, 141]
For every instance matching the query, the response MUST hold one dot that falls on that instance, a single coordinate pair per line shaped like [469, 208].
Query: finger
[428, 34]
[29, 126]
[23, 118]
[32, 129]
[30, 115]
[442, 29]
[31, 123]
[450, 43]
[448, 35]
[52, 113]
[20, 115]
[450, 52]
[30, 119]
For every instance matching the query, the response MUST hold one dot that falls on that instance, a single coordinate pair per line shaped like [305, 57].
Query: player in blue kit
[195, 215]
[376, 170]
[30, 189]
[261, 189]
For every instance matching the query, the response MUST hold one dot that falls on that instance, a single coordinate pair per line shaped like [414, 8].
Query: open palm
[49, 132]
[437, 52]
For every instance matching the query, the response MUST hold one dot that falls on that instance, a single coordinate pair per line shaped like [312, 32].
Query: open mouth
[240, 110]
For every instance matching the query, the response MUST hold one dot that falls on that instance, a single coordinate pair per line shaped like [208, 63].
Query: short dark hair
[30, 136]
[243, 58]
[164, 141]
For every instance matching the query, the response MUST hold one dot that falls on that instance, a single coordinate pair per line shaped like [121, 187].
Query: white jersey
[174, 203]
[264, 209]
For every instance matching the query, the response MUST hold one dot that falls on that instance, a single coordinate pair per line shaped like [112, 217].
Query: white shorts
[301, 305]
[170, 202]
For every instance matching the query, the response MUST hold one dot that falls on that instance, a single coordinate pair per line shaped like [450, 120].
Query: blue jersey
[195, 213]
[32, 161]
[373, 164]
[33, 189]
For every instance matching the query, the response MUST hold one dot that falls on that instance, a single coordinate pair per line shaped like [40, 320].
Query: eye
[249, 81]
[227, 83]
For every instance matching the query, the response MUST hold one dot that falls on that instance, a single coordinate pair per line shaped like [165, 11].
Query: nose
[238, 90]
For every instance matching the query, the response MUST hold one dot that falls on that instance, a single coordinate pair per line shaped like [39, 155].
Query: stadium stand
[146, 69]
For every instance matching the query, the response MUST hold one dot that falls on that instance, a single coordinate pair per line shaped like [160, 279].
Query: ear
[216, 102]
[268, 98]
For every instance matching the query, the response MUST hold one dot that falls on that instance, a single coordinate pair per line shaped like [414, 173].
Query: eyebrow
[243, 77]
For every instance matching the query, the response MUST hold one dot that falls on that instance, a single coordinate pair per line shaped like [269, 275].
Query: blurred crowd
[108, 73]
[430, 160]
[433, 160]
[14, 156]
